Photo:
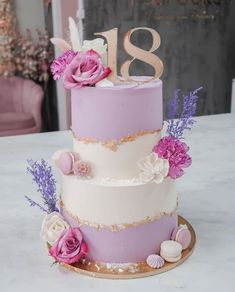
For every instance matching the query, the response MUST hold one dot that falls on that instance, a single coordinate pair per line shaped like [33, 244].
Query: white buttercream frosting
[108, 181]
[120, 164]
[117, 202]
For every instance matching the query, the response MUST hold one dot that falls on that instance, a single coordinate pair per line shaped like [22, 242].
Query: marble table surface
[207, 200]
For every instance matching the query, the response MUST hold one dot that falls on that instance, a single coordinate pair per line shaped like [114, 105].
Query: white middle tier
[117, 202]
[118, 164]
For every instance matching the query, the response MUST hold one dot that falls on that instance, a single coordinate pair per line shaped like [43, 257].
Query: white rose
[153, 168]
[52, 227]
[98, 46]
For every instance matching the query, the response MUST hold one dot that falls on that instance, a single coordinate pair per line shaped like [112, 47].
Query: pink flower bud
[81, 169]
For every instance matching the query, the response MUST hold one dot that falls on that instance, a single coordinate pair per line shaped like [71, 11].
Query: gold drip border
[117, 227]
[131, 271]
[114, 144]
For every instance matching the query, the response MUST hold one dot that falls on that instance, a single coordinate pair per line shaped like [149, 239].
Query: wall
[198, 42]
[68, 9]
[30, 14]
[61, 10]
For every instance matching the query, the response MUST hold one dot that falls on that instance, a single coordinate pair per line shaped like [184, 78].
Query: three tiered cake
[118, 201]
[123, 216]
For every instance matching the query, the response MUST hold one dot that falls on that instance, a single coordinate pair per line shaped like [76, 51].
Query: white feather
[74, 35]
[61, 44]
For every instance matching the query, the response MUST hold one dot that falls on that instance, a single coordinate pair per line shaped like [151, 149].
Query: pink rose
[86, 69]
[70, 247]
[175, 152]
[81, 168]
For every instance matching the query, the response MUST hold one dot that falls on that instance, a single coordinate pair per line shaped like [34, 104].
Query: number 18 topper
[135, 52]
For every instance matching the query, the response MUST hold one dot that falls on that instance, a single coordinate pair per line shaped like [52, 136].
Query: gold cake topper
[135, 52]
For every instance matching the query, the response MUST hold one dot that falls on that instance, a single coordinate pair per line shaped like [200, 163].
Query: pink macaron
[182, 235]
[66, 162]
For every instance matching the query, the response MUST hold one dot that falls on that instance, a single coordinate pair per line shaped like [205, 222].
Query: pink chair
[20, 106]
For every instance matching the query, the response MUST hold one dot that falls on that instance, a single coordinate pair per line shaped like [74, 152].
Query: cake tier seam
[120, 226]
[114, 144]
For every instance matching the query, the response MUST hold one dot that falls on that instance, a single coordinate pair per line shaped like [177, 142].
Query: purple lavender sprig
[43, 177]
[176, 128]
[174, 106]
[33, 204]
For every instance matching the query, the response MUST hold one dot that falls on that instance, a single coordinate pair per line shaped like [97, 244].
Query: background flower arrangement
[20, 55]
[32, 58]
[7, 38]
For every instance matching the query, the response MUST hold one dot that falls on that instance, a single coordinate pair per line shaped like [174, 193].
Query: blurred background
[197, 49]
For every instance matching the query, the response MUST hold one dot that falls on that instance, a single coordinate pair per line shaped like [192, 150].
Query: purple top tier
[106, 113]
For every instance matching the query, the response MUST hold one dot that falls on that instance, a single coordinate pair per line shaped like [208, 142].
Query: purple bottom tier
[132, 244]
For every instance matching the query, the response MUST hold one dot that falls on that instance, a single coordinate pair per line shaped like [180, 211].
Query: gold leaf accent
[113, 144]
[117, 227]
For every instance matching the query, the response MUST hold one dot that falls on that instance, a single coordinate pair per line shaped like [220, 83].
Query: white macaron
[171, 251]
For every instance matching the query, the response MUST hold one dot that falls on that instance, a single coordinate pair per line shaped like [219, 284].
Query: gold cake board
[138, 270]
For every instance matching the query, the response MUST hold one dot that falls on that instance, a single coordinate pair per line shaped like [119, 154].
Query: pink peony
[175, 152]
[86, 69]
[70, 247]
[59, 65]
[81, 168]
